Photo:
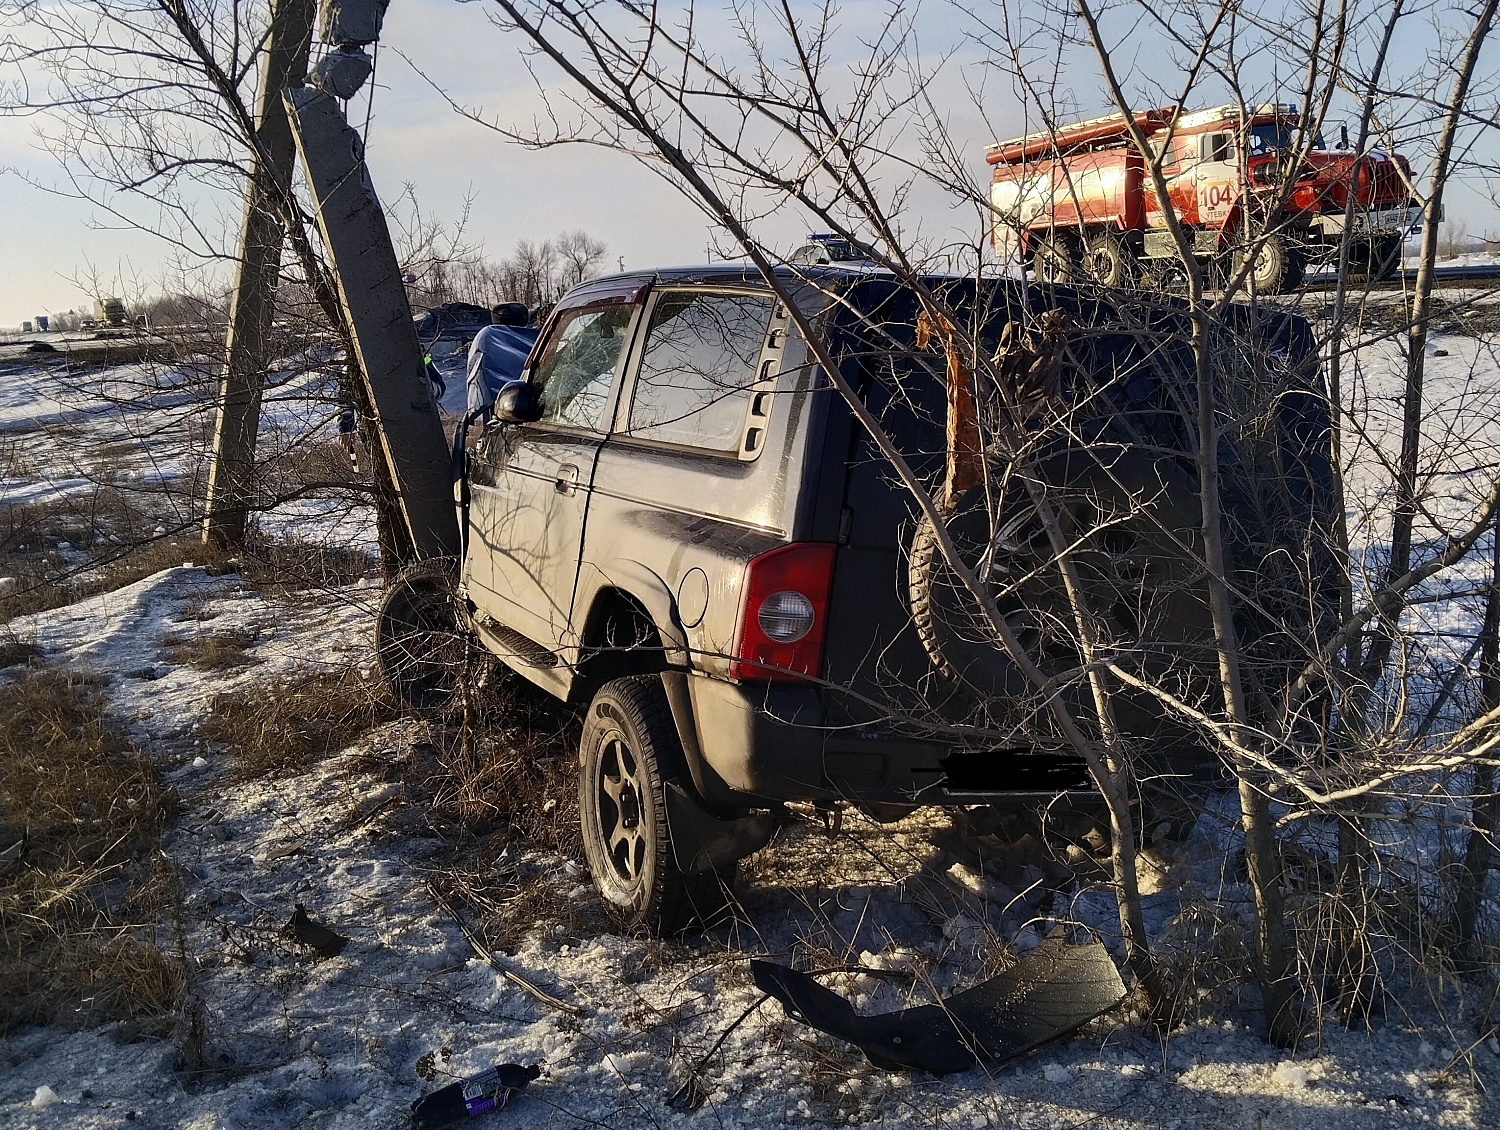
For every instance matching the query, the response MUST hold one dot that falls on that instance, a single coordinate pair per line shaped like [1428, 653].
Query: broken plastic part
[701, 841]
[489, 1090]
[1048, 993]
[314, 934]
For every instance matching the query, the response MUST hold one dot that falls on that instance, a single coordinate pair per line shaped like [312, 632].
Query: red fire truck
[1078, 203]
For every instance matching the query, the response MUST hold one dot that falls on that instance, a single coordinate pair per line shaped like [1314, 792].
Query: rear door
[531, 483]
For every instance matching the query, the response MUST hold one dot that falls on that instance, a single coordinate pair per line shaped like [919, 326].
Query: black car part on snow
[1051, 991]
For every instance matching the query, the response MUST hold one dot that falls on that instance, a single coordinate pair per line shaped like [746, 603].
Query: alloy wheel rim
[620, 804]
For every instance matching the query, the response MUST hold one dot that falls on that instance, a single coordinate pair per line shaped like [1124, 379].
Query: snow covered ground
[294, 1040]
[346, 1041]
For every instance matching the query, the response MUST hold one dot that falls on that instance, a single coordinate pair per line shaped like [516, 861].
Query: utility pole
[232, 473]
[379, 317]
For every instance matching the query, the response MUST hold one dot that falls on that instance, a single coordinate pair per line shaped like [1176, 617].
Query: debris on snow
[1057, 1073]
[489, 1090]
[314, 934]
[489, 958]
[981, 885]
[1290, 1075]
[1050, 992]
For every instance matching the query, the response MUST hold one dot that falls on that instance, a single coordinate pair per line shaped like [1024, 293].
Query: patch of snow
[1290, 1075]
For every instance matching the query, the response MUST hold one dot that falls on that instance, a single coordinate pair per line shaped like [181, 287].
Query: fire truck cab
[1079, 203]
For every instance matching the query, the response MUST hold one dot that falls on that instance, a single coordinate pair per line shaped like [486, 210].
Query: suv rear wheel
[629, 750]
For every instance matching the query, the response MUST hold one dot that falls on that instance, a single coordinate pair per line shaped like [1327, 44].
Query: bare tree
[532, 269]
[147, 107]
[579, 256]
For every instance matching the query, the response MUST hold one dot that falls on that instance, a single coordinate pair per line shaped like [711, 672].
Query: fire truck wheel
[1109, 262]
[1377, 260]
[1055, 259]
[1388, 257]
[1279, 265]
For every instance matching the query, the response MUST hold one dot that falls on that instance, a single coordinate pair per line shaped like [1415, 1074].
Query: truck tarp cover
[497, 357]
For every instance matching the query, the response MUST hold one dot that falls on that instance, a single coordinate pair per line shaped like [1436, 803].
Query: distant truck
[25, 327]
[42, 322]
[110, 312]
[1078, 203]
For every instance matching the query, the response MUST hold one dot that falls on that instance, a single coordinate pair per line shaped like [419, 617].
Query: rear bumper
[769, 741]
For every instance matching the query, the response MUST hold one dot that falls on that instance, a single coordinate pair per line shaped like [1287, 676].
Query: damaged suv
[676, 520]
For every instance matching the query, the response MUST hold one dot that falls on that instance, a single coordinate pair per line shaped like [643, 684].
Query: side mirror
[518, 403]
[1343, 137]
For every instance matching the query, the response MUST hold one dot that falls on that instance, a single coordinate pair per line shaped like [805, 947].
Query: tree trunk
[1480, 852]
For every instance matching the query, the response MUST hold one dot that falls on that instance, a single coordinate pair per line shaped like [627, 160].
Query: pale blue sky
[46, 240]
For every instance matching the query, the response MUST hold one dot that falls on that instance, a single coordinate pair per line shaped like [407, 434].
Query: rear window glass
[699, 362]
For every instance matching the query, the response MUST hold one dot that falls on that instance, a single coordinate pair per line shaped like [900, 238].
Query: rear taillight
[1362, 178]
[783, 613]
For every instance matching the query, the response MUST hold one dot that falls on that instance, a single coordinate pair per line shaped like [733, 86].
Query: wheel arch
[630, 628]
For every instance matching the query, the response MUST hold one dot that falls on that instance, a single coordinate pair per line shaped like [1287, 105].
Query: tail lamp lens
[784, 614]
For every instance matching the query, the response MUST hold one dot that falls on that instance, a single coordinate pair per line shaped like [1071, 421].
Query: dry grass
[290, 566]
[283, 726]
[508, 774]
[213, 651]
[67, 549]
[16, 652]
[71, 910]
[313, 464]
[511, 767]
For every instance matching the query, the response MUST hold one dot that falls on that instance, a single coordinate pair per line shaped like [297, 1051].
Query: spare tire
[1131, 520]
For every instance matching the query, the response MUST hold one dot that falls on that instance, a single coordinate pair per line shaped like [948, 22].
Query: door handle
[567, 479]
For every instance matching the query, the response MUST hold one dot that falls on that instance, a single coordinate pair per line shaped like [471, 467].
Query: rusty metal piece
[1028, 361]
[965, 448]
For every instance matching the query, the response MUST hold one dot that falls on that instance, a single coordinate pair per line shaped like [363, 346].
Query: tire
[1109, 262]
[1376, 260]
[1387, 256]
[1134, 525]
[1279, 267]
[1055, 259]
[421, 639]
[629, 750]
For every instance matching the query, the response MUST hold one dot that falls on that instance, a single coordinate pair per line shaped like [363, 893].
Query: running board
[507, 642]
